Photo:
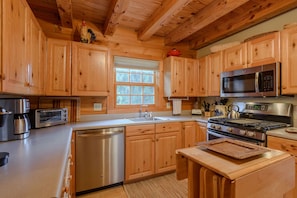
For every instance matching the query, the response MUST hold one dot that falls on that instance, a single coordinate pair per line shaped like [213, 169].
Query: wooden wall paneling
[87, 105]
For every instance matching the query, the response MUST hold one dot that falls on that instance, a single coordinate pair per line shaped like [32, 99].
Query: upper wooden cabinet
[89, 70]
[215, 67]
[289, 60]
[180, 76]
[202, 76]
[263, 50]
[58, 67]
[235, 57]
[24, 52]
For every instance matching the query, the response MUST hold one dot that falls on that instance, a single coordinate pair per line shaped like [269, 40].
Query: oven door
[212, 134]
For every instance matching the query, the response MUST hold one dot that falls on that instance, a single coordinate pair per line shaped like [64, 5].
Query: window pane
[150, 72]
[135, 77]
[148, 90]
[136, 90]
[122, 77]
[123, 89]
[148, 79]
[123, 100]
[148, 100]
[136, 100]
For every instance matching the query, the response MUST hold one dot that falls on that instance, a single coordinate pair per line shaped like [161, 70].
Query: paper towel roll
[176, 106]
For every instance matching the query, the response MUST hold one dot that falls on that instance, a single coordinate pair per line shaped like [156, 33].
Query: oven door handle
[216, 134]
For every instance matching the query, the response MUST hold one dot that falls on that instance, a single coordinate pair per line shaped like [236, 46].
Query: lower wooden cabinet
[140, 151]
[287, 146]
[150, 149]
[189, 133]
[201, 134]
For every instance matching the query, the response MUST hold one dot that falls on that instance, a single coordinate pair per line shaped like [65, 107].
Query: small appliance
[48, 117]
[14, 120]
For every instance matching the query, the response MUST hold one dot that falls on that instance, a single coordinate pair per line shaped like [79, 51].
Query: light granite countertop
[36, 165]
[282, 133]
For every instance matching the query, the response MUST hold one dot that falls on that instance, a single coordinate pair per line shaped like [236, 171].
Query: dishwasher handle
[99, 133]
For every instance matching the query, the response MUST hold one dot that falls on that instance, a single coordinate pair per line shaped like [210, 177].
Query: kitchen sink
[143, 119]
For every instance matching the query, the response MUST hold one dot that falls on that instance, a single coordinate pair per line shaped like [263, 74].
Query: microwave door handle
[257, 82]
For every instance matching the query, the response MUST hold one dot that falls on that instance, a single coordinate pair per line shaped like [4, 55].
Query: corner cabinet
[58, 68]
[289, 60]
[179, 76]
[89, 70]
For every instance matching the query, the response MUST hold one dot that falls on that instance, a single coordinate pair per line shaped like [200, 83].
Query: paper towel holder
[169, 99]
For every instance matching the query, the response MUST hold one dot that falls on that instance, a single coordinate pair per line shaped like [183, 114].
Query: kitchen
[76, 96]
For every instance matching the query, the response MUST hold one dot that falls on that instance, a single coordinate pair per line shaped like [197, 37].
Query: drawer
[168, 127]
[140, 129]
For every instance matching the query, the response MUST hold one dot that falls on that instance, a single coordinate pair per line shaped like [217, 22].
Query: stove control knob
[229, 130]
[218, 127]
[242, 132]
[250, 134]
[213, 126]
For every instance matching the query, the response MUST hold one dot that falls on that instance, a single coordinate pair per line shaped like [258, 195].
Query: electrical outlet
[97, 107]
[168, 105]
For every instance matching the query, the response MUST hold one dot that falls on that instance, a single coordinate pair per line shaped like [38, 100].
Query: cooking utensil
[233, 113]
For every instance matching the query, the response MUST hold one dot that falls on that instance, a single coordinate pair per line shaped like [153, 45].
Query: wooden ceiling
[199, 22]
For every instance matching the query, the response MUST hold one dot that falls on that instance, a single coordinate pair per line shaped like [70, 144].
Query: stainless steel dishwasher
[99, 158]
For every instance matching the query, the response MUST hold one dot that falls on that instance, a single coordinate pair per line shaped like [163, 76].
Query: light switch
[97, 107]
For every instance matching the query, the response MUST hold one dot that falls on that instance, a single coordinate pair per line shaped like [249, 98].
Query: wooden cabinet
[58, 68]
[202, 76]
[23, 41]
[264, 50]
[14, 60]
[287, 146]
[189, 134]
[215, 67]
[168, 139]
[179, 76]
[289, 60]
[140, 151]
[89, 70]
[201, 132]
[235, 57]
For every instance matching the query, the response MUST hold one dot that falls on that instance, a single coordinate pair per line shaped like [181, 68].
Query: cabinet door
[166, 144]
[287, 146]
[89, 70]
[264, 50]
[189, 134]
[215, 66]
[191, 77]
[203, 76]
[139, 156]
[235, 57]
[174, 76]
[201, 132]
[14, 24]
[58, 68]
[289, 60]
[35, 70]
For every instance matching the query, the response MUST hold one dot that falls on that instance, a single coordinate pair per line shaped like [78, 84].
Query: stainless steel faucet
[140, 110]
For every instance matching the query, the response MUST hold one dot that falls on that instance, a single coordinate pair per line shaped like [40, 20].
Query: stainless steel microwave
[264, 80]
[48, 117]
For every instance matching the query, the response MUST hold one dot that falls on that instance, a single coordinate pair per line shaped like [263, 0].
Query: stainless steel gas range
[255, 119]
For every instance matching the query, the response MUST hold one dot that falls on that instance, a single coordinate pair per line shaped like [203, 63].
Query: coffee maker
[14, 119]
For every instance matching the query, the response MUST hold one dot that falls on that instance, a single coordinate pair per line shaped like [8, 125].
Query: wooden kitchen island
[214, 175]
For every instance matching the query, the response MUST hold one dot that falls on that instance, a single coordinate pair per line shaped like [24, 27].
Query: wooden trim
[65, 12]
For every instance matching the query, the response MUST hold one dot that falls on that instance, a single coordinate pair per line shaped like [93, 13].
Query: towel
[176, 104]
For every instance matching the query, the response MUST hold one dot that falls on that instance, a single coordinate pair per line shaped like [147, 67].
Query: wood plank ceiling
[199, 22]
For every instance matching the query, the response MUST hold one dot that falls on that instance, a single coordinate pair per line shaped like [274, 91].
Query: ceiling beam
[243, 18]
[164, 13]
[65, 12]
[116, 11]
[206, 16]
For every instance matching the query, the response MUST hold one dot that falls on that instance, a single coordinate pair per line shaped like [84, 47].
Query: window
[134, 84]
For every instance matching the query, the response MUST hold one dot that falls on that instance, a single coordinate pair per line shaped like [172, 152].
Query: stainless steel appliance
[15, 123]
[99, 158]
[255, 81]
[255, 119]
[48, 117]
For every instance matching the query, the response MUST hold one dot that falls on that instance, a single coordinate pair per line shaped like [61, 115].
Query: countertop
[282, 133]
[36, 165]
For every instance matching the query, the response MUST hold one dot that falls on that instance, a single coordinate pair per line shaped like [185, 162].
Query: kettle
[233, 113]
